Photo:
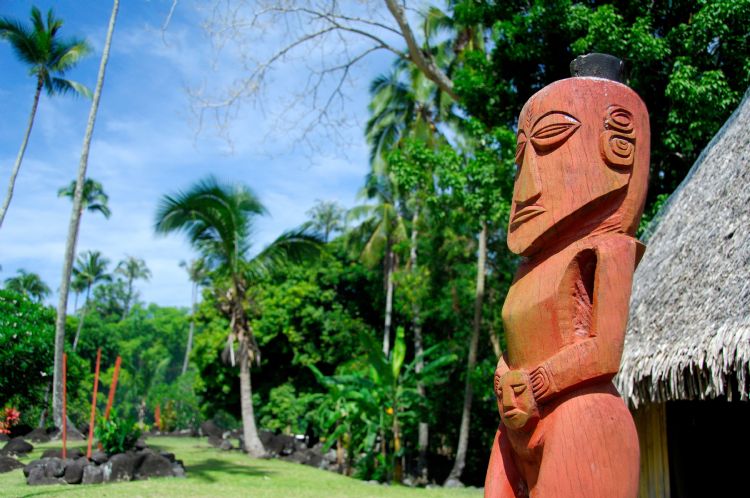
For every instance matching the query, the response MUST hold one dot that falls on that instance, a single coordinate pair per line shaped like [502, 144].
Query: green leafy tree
[132, 268]
[49, 57]
[109, 299]
[217, 220]
[29, 284]
[26, 330]
[687, 60]
[95, 199]
[91, 268]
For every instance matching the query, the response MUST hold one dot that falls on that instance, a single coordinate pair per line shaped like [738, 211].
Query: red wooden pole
[113, 387]
[93, 402]
[157, 417]
[65, 406]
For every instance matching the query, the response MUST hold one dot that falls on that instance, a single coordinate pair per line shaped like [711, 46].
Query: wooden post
[64, 405]
[113, 388]
[93, 402]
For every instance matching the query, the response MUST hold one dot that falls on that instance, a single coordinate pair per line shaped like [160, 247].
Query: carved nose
[509, 401]
[528, 186]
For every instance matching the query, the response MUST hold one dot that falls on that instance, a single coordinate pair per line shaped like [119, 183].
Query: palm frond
[216, 218]
[292, 246]
[61, 86]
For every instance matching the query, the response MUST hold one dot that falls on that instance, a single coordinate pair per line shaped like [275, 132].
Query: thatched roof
[689, 330]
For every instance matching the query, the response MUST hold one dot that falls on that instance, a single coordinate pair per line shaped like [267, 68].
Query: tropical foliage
[29, 284]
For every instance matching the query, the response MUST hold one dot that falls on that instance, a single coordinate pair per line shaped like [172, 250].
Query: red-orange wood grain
[582, 157]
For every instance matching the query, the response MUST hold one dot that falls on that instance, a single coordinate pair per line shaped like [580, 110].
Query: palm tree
[132, 268]
[91, 268]
[29, 284]
[198, 274]
[407, 105]
[381, 229]
[78, 285]
[94, 197]
[217, 220]
[326, 217]
[75, 220]
[49, 57]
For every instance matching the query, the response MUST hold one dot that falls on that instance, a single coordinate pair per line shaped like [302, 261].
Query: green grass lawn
[211, 472]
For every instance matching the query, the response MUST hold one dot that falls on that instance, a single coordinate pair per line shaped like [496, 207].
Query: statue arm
[595, 357]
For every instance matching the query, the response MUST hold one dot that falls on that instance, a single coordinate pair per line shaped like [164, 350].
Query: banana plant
[364, 408]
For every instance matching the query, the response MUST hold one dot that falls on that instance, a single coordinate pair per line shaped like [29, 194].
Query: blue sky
[146, 144]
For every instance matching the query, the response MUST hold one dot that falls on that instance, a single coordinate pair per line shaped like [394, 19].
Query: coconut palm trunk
[192, 329]
[253, 446]
[128, 298]
[463, 435]
[75, 220]
[389, 264]
[424, 428]
[21, 152]
[83, 317]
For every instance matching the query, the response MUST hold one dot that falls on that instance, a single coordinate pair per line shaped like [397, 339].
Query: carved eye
[552, 130]
[519, 389]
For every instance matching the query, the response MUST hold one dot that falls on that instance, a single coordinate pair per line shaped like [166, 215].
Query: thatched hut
[686, 365]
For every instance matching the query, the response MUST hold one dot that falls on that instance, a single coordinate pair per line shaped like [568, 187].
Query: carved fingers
[542, 383]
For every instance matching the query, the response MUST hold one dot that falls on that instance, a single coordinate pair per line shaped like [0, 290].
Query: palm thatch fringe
[689, 330]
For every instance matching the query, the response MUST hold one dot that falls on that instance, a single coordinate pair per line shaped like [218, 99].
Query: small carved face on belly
[515, 401]
[579, 140]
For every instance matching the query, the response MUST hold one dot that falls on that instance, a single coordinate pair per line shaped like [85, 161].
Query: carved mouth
[511, 414]
[525, 215]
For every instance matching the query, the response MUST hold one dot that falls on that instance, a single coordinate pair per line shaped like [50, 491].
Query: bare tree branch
[326, 38]
[420, 58]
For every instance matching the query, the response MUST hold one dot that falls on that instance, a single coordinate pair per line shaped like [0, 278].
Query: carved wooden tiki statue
[583, 160]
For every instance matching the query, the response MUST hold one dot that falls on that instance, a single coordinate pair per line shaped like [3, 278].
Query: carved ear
[617, 141]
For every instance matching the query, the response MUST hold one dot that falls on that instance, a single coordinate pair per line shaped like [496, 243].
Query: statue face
[518, 409]
[575, 152]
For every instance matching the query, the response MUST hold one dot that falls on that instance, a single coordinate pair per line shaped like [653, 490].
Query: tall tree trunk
[253, 446]
[75, 220]
[398, 469]
[424, 428]
[388, 301]
[463, 436]
[21, 152]
[192, 329]
[128, 299]
[83, 317]
[45, 407]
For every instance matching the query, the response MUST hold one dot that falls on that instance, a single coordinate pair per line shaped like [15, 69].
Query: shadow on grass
[207, 469]
[49, 490]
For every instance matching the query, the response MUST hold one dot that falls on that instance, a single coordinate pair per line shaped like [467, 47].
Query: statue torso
[550, 303]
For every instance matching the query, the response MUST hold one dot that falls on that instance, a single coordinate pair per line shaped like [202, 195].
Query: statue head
[582, 159]
[515, 401]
